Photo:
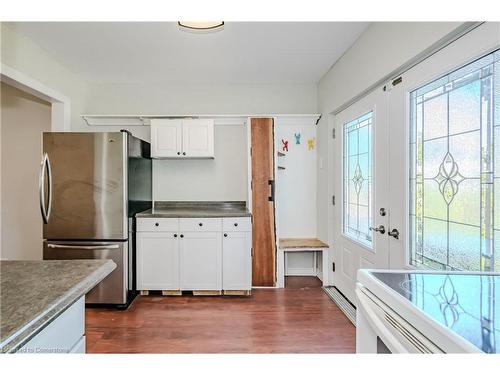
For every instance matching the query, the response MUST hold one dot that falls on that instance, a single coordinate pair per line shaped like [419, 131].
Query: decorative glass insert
[357, 174]
[455, 169]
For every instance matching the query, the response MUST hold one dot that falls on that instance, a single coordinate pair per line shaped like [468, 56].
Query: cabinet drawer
[157, 225]
[200, 225]
[237, 224]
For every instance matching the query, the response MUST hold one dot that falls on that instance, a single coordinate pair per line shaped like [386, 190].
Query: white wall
[296, 190]
[296, 185]
[179, 99]
[25, 56]
[381, 49]
[221, 179]
[23, 118]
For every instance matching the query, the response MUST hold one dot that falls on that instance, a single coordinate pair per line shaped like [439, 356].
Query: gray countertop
[34, 293]
[196, 209]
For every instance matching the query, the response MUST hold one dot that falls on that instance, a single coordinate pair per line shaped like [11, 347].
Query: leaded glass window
[358, 178]
[455, 169]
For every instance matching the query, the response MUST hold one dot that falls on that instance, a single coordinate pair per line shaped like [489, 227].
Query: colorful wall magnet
[297, 138]
[310, 144]
[285, 145]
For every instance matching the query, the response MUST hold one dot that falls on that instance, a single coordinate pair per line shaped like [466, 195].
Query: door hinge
[333, 200]
[333, 133]
[397, 81]
[251, 151]
[333, 266]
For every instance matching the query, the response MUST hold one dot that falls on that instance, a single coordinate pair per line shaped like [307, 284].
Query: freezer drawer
[113, 289]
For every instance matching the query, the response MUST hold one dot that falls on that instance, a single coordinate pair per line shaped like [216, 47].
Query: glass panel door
[360, 238]
[454, 169]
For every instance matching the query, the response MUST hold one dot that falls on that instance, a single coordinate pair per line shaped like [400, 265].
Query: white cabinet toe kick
[208, 256]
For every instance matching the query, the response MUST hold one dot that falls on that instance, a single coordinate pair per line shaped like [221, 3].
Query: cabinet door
[198, 138]
[201, 261]
[237, 261]
[166, 138]
[157, 261]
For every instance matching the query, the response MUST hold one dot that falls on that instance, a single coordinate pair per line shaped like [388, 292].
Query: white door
[237, 261]
[360, 237]
[166, 138]
[198, 138]
[157, 261]
[445, 158]
[201, 260]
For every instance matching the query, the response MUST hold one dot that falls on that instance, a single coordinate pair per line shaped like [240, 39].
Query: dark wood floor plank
[289, 320]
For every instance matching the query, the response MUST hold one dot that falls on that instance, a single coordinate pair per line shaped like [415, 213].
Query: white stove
[427, 312]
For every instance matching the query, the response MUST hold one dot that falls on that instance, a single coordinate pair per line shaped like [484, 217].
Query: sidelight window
[455, 169]
[358, 179]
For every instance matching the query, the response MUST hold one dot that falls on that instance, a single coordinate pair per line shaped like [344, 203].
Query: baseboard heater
[342, 302]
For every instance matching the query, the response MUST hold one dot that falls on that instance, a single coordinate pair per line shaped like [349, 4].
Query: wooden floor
[297, 319]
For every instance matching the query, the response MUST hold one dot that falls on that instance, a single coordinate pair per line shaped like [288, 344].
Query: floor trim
[343, 303]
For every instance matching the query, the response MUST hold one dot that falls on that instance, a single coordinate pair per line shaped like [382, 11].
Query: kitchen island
[42, 303]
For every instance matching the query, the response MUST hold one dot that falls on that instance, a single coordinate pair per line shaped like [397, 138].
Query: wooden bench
[300, 245]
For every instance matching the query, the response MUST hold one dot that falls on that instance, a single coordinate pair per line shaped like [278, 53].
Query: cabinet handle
[225, 234]
[157, 224]
[183, 153]
[178, 152]
[175, 235]
[200, 224]
[235, 224]
[182, 236]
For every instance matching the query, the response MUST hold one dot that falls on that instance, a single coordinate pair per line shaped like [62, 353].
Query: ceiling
[159, 52]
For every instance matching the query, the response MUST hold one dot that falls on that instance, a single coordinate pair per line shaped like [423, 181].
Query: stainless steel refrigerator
[91, 186]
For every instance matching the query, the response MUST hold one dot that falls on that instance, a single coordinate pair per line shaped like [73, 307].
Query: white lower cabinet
[157, 261]
[65, 334]
[194, 254]
[201, 261]
[237, 261]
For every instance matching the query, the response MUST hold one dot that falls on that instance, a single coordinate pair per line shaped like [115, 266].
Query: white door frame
[61, 104]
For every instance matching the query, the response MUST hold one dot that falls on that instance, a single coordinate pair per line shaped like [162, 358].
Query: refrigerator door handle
[91, 247]
[49, 187]
[41, 188]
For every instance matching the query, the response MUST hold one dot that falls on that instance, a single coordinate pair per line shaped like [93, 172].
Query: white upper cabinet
[190, 138]
[166, 138]
[198, 138]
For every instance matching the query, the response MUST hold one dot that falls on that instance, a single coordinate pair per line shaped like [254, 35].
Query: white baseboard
[319, 274]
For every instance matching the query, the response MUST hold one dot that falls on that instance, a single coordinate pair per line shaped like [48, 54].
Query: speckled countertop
[34, 293]
[196, 209]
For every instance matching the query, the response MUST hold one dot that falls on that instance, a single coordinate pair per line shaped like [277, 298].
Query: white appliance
[427, 312]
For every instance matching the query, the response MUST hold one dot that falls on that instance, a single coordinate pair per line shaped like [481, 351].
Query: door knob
[380, 229]
[394, 233]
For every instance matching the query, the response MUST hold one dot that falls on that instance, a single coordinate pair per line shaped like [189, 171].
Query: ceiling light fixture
[201, 27]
